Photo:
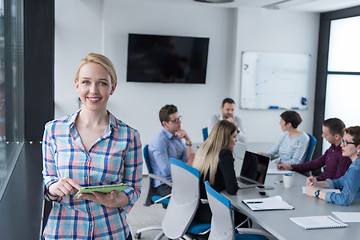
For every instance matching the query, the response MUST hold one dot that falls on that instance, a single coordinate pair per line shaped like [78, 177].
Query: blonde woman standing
[215, 162]
[91, 148]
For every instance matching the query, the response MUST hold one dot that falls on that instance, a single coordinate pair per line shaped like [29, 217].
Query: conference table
[277, 222]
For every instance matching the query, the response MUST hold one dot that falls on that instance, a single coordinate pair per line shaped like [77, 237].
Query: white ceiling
[298, 5]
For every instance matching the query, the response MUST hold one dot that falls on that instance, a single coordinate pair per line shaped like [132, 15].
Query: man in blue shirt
[168, 144]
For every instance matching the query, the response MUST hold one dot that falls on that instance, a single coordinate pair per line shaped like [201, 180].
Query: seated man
[227, 113]
[335, 165]
[168, 144]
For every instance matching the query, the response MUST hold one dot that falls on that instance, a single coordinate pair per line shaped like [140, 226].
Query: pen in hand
[278, 164]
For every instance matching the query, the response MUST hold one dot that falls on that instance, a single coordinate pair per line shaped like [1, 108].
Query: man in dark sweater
[334, 164]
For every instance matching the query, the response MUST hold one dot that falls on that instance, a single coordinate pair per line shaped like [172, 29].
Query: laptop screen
[255, 167]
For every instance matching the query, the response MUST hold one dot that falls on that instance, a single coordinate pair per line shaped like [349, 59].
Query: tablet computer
[103, 189]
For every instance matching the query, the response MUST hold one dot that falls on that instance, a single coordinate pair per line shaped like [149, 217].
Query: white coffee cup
[288, 180]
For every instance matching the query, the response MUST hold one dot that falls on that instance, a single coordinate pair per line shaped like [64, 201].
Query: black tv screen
[167, 59]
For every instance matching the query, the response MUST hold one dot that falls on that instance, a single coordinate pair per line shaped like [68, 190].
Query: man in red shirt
[334, 164]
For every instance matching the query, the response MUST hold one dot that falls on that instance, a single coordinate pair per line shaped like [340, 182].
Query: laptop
[253, 170]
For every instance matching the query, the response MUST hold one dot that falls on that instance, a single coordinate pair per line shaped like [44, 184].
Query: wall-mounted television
[167, 59]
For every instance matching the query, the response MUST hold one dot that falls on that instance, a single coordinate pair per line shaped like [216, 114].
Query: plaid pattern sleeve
[115, 157]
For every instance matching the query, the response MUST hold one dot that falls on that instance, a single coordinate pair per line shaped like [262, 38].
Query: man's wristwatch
[188, 144]
[316, 193]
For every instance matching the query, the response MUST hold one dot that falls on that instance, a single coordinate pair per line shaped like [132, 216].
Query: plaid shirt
[114, 158]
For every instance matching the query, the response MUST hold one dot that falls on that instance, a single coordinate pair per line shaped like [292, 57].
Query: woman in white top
[293, 145]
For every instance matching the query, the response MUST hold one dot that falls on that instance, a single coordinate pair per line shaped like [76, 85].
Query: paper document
[322, 189]
[317, 222]
[348, 216]
[271, 203]
[273, 171]
[103, 189]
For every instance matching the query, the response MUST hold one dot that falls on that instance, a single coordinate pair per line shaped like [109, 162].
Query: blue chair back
[184, 201]
[152, 195]
[205, 133]
[147, 161]
[221, 198]
[222, 223]
[311, 148]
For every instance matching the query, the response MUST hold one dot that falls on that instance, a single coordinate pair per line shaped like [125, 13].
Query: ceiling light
[286, 4]
[214, 1]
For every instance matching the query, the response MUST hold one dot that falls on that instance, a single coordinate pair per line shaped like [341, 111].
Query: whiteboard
[274, 80]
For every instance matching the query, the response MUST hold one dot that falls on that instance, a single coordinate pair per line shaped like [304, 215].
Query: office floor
[141, 216]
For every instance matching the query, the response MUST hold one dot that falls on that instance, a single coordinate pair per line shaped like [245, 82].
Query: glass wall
[343, 79]
[11, 86]
[344, 47]
[2, 74]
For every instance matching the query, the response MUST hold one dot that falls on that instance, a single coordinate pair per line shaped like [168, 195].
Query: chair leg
[159, 236]
[186, 237]
[246, 221]
[141, 230]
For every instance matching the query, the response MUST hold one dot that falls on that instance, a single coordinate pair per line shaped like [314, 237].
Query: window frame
[322, 69]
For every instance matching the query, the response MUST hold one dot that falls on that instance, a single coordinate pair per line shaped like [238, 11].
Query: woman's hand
[311, 181]
[310, 190]
[65, 186]
[111, 199]
[283, 166]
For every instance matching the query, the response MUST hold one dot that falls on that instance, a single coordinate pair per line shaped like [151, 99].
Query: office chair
[311, 148]
[152, 197]
[222, 223]
[205, 133]
[185, 196]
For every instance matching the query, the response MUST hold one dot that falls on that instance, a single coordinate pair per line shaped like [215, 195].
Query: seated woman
[215, 161]
[349, 184]
[293, 145]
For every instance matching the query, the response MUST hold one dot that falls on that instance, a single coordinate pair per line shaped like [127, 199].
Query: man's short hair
[166, 111]
[291, 117]
[227, 100]
[335, 125]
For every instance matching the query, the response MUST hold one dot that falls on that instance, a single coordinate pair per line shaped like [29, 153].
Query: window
[343, 78]
[342, 98]
[338, 70]
[11, 87]
[344, 47]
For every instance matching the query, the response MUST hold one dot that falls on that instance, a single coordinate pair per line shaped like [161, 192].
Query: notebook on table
[253, 170]
[270, 203]
[318, 222]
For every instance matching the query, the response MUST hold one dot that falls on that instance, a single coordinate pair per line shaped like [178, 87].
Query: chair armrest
[255, 231]
[160, 199]
[167, 182]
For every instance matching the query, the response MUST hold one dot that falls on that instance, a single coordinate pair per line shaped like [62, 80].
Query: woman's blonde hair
[207, 157]
[103, 61]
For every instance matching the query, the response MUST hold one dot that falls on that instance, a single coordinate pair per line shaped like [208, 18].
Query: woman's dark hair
[291, 117]
[355, 133]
